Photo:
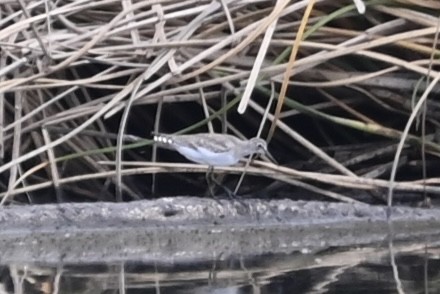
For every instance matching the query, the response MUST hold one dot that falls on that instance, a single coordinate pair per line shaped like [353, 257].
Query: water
[365, 269]
[184, 245]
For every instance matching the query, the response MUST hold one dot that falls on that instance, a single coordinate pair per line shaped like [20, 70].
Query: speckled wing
[217, 143]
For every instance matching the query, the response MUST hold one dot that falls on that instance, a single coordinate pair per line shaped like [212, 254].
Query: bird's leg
[209, 178]
[212, 182]
[228, 192]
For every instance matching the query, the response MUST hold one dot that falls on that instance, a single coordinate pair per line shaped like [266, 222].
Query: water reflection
[194, 245]
[333, 270]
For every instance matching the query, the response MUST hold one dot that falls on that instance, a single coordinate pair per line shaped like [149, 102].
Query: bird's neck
[245, 149]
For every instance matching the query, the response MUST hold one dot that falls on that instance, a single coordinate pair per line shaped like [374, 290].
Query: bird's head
[259, 146]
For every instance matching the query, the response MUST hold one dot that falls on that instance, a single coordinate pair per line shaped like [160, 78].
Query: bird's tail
[163, 140]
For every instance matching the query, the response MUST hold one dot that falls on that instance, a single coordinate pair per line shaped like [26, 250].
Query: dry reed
[77, 79]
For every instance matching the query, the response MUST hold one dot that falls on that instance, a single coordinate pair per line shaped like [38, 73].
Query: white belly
[205, 156]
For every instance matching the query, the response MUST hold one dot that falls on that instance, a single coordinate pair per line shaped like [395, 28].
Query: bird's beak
[270, 157]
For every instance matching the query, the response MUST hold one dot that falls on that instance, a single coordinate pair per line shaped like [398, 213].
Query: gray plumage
[212, 149]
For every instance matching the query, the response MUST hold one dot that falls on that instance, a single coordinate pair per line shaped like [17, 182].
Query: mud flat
[189, 228]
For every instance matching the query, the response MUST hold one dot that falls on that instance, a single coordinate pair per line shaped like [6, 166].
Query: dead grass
[77, 77]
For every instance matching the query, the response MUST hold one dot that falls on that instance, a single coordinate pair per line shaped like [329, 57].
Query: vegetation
[351, 108]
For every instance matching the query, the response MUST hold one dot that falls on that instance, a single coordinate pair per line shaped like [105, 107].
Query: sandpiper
[212, 149]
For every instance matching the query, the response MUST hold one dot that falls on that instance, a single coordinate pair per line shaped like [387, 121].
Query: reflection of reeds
[76, 81]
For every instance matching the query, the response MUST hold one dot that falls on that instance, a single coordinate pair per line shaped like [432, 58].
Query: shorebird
[213, 149]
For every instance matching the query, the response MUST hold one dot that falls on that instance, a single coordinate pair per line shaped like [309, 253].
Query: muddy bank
[186, 228]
